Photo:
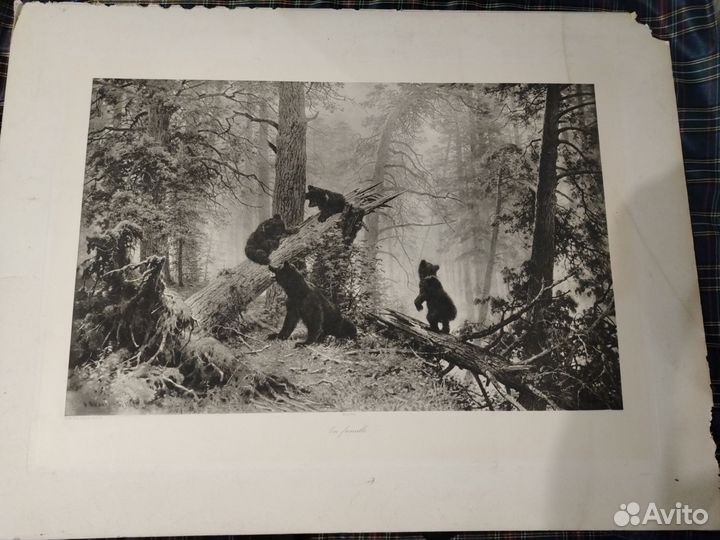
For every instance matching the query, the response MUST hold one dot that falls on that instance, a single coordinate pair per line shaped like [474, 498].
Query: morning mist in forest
[251, 246]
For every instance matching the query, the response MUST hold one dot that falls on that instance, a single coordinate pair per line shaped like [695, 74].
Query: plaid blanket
[691, 30]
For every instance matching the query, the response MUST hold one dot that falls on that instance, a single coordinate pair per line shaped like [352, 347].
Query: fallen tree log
[500, 372]
[234, 289]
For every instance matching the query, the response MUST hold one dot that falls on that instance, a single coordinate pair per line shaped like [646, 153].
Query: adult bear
[426, 269]
[266, 239]
[327, 201]
[441, 308]
[306, 303]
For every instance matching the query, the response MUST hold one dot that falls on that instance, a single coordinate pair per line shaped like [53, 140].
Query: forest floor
[367, 376]
[369, 373]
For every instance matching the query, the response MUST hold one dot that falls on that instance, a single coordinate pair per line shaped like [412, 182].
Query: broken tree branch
[242, 284]
[514, 402]
[484, 392]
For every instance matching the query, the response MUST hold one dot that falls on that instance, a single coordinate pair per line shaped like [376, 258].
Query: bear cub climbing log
[266, 239]
[327, 201]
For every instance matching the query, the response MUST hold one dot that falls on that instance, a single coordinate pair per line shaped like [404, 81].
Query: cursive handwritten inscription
[342, 431]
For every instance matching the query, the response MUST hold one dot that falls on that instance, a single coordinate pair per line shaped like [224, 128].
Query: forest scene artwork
[250, 246]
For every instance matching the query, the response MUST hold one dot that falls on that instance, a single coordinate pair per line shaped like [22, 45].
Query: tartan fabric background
[690, 28]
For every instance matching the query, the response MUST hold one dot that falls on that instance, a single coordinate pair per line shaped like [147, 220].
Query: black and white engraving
[250, 246]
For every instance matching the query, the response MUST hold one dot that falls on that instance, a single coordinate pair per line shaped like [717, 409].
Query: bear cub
[327, 201]
[441, 309]
[266, 239]
[426, 269]
[307, 304]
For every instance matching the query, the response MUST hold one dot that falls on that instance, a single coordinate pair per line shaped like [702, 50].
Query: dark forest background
[498, 184]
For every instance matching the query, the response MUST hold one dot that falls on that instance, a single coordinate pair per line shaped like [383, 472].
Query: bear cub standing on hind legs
[426, 269]
[266, 239]
[441, 308]
[327, 201]
[306, 303]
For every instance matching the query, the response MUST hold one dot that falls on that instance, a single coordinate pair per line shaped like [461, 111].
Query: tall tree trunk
[468, 285]
[241, 225]
[492, 251]
[159, 119]
[382, 158]
[464, 263]
[460, 171]
[290, 163]
[166, 267]
[478, 147]
[262, 167]
[158, 127]
[180, 262]
[381, 161]
[542, 256]
[290, 167]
